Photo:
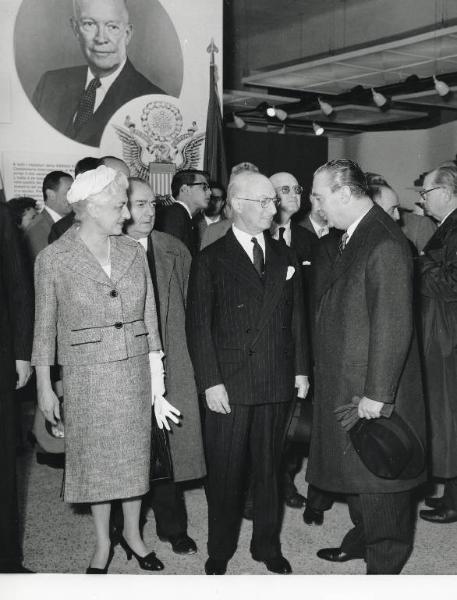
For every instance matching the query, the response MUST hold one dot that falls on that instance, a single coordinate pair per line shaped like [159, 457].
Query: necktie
[259, 262]
[86, 104]
[281, 232]
[343, 242]
[322, 231]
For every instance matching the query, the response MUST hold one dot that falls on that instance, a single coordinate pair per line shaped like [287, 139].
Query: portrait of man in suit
[247, 341]
[79, 101]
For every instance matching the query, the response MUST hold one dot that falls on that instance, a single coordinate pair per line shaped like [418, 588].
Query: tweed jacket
[58, 93]
[96, 319]
[364, 345]
[16, 303]
[172, 266]
[36, 235]
[215, 232]
[242, 332]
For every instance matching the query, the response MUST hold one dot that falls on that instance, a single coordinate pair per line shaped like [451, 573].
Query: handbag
[161, 464]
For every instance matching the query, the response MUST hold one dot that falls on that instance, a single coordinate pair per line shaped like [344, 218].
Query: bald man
[246, 335]
[79, 101]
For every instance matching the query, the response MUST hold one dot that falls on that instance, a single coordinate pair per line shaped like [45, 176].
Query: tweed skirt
[107, 409]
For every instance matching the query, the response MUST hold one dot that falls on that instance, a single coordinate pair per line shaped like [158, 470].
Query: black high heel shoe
[150, 562]
[96, 571]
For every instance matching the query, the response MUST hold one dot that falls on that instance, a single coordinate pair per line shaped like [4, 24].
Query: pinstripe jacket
[242, 332]
[96, 319]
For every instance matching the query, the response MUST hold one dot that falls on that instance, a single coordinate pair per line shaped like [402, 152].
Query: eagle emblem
[159, 139]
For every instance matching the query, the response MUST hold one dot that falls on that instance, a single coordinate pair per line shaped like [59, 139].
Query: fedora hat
[388, 447]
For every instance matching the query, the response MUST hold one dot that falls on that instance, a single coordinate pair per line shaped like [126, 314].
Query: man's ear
[128, 33]
[236, 205]
[345, 194]
[74, 27]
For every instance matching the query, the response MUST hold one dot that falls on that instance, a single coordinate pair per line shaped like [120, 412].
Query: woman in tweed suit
[94, 294]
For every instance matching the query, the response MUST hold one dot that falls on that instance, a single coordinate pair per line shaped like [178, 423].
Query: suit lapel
[275, 278]
[350, 253]
[76, 256]
[165, 259]
[123, 253]
[239, 264]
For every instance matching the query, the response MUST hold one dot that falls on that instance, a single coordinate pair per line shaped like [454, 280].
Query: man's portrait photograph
[79, 61]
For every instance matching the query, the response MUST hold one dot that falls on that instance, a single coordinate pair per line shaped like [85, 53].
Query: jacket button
[118, 325]
[251, 352]
[248, 330]
[113, 293]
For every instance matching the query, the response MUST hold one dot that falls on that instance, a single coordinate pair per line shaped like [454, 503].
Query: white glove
[157, 374]
[163, 410]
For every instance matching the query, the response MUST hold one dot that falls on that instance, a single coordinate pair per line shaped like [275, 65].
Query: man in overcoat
[16, 333]
[169, 265]
[438, 281]
[246, 336]
[364, 345]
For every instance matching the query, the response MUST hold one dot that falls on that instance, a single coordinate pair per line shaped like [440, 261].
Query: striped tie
[343, 242]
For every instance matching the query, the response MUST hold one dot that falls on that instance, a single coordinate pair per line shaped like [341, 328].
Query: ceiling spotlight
[271, 111]
[239, 122]
[441, 87]
[282, 130]
[378, 98]
[326, 108]
[318, 129]
[281, 114]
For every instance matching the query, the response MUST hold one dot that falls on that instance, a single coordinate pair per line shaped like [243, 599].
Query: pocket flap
[85, 336]
[139, 328]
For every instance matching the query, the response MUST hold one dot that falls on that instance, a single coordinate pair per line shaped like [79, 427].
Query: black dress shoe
[336, 555]
[312, 515]
[278, 565]
[294, 500]
[214, 566]
[439, 515]
[181, 544]
[150, 562]
[434, 501]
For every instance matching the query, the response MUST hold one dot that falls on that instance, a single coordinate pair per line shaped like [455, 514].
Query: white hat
[90, 183]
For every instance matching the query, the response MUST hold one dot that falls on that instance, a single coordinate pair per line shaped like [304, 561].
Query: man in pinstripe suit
[246, 334]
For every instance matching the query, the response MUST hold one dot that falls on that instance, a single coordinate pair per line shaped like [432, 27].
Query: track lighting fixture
[378, 98]
[441, 87]
[239, 122]
[318, 129]
[326, 108]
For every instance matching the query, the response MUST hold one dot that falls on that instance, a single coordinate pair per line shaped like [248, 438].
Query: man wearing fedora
[366, 356]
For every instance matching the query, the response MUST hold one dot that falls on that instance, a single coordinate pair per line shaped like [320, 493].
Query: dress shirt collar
[274, 230]
[143, 241]
[449, 213]
[210, 220]
[245, 241]
[350, 230]
[320, 230]
[53, 214]
[185, 206]
[105, 83]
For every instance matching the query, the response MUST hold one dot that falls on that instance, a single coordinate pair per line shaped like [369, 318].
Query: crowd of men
[257, 302]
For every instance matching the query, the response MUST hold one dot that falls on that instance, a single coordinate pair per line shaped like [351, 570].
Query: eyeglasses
[264, 202]
[286, 189]
[204, 185]
[423, 193]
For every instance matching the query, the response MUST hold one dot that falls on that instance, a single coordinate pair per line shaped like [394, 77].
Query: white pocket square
[290, 272]
[306, 263]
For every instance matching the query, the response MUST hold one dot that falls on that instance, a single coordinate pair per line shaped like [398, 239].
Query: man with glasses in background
[214, 213]
[191, 191]
[79, 101]
[247, 340]
[438, 286]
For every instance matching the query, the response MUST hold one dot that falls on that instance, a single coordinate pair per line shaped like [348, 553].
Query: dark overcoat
[438, 279]
[242, 332]
[172, 261]
[364, 345]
